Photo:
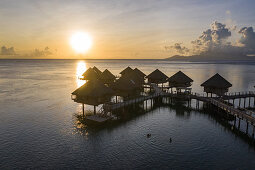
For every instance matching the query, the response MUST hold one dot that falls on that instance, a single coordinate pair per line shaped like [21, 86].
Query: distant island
[211, 57]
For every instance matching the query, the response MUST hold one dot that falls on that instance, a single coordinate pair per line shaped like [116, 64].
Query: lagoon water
[39, 129]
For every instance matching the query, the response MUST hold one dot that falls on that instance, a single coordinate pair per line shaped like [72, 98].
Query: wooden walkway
[238, 95]
[113, 106]
[244, 113]
[248, 115]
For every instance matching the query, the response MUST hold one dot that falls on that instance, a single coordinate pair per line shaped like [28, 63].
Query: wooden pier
[218, 102]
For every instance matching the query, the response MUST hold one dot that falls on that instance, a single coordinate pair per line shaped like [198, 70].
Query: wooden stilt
[244, 102]
[94, 110]
[247, 125]
[235, 121]
[240, 102]
[253, 131]
[249, 102]
[239, 123]
[83, 110]
[116, 99]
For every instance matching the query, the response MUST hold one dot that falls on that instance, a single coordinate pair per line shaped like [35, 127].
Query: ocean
[39, 128]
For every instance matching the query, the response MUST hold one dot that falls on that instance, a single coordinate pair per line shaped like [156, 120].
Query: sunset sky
[118, 29]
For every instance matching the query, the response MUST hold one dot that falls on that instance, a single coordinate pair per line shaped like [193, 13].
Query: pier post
[240, 101]
[239, 122]
[234, 121]
[244, 102]
[247, 125]
[82, 109]
[146, 105]
[95, 110]
[249, 101]
[253, 131]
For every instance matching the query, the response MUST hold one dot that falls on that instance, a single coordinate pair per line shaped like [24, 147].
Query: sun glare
[80, 69]
[81, 42]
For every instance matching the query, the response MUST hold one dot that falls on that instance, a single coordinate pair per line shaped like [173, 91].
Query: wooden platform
[97, 119]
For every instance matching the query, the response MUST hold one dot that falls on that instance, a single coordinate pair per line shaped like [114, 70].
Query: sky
[122, 29]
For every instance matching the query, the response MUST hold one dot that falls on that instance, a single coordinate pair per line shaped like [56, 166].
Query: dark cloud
[178, 48]
[7, 51]
[212, 38]
[213, 43]
[41, 53]
[247, 38]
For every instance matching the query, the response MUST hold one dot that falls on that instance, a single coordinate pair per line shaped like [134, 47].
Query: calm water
[38, 126]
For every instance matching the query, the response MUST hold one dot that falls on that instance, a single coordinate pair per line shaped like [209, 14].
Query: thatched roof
[157, 75]
[90, 74]
[179, 77]
[107, 75]
[139, 72]
[97, 70]
[139, 81]
[93, 89]
[216, 81]
[126, 71]
[124, 84]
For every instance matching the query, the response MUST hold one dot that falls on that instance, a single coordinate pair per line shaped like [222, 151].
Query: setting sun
[81, 42]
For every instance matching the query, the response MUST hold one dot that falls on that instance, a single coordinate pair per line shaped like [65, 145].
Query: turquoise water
[39, 129]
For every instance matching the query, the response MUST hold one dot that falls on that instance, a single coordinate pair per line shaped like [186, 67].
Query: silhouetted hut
[157, 77]
[180, 81]
[126, 71]
[107, 77]
[216, 85]
[97, 70]
[139, 81]
[90, 74]
[139, 73]
[94, 92]
[124, 87]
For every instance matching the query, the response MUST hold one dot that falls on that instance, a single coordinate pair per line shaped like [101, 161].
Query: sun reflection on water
[81, 68]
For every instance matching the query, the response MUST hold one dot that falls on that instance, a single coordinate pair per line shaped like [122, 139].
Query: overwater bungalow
[97, 70]
[139, 81]
[157, 77]
[126, 71]
[107, 77]
[180, 81]
[94, 92]
[216, 85]
[124, 87]
[139, 73]
[90, 74]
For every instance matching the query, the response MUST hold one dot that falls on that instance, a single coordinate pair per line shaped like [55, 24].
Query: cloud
[7, 51]
[213, 43]
[178, 48]
[247, 38]
[211, 38]
[41, 53]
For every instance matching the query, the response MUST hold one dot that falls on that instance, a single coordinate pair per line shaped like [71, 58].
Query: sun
[81, 42]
